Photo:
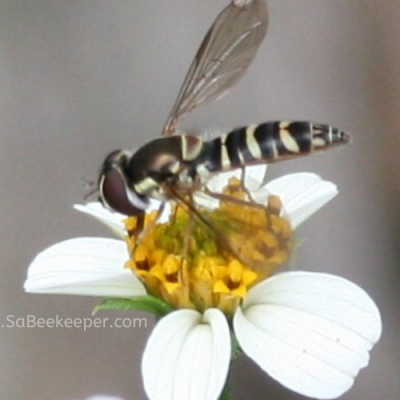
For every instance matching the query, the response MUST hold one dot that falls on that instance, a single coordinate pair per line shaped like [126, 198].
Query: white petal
[215, 184]
[302, 195]
[311, 332]
[254, 176]
[155, 205]
[203, 200]
[112, 220]
[220, 180]
[84, 266]
[187, 356]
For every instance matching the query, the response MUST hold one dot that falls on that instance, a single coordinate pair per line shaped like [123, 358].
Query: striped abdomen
[268, 142]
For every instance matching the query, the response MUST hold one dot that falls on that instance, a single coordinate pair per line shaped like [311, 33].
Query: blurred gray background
[79, 78]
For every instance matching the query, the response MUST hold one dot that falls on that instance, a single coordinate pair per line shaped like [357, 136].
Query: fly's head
[116, 191]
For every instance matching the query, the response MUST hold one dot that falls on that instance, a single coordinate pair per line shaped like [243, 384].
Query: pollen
[202, 258]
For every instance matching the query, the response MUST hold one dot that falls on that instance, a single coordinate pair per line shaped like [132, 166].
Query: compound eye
[114, 193]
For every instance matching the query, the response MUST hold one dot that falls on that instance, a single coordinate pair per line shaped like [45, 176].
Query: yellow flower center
[210, 258]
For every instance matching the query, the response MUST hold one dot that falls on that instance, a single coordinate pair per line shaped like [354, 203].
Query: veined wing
[227, 50]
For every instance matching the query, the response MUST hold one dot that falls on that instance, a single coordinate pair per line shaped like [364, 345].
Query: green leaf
[144, 303]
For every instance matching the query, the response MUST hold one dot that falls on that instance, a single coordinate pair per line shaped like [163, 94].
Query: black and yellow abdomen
[268, 142]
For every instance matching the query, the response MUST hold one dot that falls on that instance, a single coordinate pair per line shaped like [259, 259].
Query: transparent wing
[227, 50]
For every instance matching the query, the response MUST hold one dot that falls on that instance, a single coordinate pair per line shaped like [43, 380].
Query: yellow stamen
[195, 265]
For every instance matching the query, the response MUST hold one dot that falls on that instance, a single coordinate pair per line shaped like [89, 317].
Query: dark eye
[114, 193]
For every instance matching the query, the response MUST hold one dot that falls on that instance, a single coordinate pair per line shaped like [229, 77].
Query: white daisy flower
[312, 332]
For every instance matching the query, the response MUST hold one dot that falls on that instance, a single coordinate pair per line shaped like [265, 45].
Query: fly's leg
[141, 230]
[243, 186]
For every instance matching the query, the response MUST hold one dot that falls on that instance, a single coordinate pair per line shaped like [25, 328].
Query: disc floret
[212, 257]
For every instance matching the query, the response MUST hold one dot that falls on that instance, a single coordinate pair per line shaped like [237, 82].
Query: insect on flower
[205, 234]
[176, 167]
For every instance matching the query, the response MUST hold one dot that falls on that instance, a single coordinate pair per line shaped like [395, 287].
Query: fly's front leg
[141, 229]
[187, 239]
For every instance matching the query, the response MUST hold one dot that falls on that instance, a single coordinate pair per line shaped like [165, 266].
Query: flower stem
[226, 392]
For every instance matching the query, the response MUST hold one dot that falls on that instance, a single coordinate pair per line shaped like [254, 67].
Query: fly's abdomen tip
[340, 137]
[334, 135]
[345, 137]
[324, 136]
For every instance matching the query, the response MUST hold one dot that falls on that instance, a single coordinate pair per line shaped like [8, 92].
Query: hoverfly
[175, 166]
